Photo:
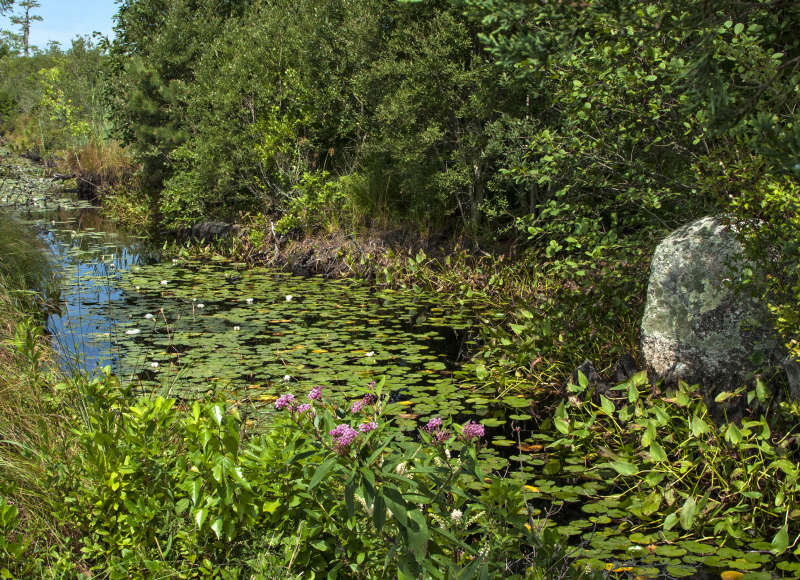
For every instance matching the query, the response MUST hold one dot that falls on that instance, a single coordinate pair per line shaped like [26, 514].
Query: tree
[24, 19]
[5, 5]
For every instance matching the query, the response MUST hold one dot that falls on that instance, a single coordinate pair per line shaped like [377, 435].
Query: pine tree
[24, 20]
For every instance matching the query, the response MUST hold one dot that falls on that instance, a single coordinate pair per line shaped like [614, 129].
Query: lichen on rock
[699, 325]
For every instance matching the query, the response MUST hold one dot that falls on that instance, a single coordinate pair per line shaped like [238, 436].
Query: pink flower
[284, 401]
[303, 408]
[343, 435]
[442, 436]
[367, 427]
[315, 394]
[433, 425]
[369, 399]
[472, 431]
[357, 406]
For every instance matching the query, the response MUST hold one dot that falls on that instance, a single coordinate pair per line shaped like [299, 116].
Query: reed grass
[34, 426]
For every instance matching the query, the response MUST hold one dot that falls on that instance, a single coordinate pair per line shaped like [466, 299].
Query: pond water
[209, 329]
[192, 330]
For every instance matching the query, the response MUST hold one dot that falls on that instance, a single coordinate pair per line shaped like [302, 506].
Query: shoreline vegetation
[525, 156]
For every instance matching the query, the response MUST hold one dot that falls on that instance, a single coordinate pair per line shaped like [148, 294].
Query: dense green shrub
[326, 490]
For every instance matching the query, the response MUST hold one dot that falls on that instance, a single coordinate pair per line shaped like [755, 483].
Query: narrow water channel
[194, 330]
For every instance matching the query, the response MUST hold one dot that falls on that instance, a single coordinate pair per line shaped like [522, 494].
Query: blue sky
[63, 20]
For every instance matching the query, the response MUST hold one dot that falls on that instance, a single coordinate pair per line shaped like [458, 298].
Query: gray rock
[697, 326]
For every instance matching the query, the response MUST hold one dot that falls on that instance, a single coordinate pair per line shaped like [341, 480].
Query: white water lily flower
[174, 261]
[201, 306]
[133, 331]
[163, 282]
[287, 378]
[370, 353]
[148, 316]
[236, 328]
[154, 364]
[248, 300]
[112, 265]
[289, 297]
[137, 288]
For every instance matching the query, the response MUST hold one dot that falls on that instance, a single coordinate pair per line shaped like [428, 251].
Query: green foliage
[679, 469]
[769, 224]
[162, 489]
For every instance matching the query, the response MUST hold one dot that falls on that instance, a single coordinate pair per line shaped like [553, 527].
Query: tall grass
[101, 162]
[33, 429]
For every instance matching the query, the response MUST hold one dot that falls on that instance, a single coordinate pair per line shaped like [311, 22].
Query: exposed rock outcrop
[698, 325]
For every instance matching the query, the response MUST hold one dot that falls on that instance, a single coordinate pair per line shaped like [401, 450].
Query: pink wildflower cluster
[357, 406]
[284, 401]
[367, 427]
[434, 427]
[287, 401]
[472, 430]
[369, 399]
[315, 394]
[343, 435]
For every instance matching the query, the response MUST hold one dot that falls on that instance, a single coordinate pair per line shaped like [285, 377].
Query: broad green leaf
[633, 393]
[761, 390]
[670, 521]
[723, 396]
[270, 507]
[606, 405]
[561, 424]
[195, 492]
[624, 468]
[379, 513]
[687, 513]
[216, 527]
[781, 541]
[200, 517]
[218, 414]
[651, 503]
[733, 435]
[657, 452]
[322, 471]
[396, 504]
[699, 426]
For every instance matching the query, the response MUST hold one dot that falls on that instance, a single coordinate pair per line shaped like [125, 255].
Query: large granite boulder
[698, 326]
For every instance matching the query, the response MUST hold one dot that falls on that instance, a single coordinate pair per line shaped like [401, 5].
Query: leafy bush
[677, 468]
[329, 489]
